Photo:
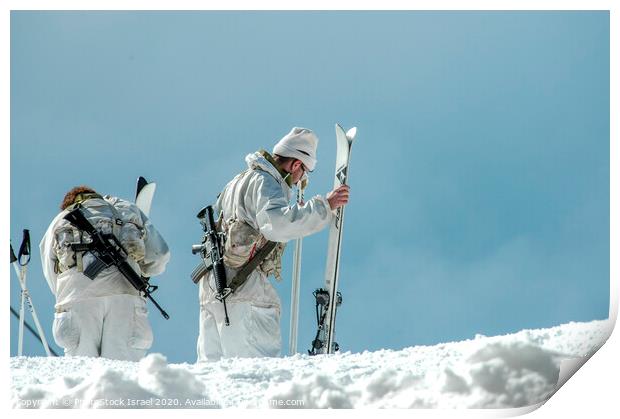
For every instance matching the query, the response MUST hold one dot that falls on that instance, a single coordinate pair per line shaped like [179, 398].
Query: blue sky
[480, 173]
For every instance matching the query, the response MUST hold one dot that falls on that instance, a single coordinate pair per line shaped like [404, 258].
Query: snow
[516, 370]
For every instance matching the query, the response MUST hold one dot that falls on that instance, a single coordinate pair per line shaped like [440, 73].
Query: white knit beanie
[301, 144]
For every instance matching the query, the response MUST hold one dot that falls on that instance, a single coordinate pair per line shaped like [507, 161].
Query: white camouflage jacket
[68, 283]
[261, 197]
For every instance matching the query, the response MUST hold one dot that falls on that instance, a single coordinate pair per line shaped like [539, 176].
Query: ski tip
[141, 183]
[351, 133]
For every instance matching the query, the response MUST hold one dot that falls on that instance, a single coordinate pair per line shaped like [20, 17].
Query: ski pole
[22, 260]
[21, 275]
[292, 343]
[31, 330]
[24, 250]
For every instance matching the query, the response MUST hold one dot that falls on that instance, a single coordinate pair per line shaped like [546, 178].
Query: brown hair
[282, 160]
[69, 198]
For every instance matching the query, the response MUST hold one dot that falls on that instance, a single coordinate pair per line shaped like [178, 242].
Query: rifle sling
[252, 264]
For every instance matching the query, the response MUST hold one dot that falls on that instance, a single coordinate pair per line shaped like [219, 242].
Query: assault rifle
[212, 248]
[108, 251]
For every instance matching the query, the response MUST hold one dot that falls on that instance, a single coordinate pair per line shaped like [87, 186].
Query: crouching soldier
[101, 314]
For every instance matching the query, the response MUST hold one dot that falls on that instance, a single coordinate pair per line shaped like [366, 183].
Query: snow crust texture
[516, 370]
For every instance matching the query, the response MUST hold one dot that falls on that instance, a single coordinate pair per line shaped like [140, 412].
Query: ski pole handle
[13, 257]
[24, 249]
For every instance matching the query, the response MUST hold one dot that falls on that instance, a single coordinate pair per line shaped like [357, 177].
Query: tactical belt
[245, 271]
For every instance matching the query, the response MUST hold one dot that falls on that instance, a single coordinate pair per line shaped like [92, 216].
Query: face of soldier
[297, 170]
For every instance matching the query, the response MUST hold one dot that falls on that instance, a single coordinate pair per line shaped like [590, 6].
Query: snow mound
[516, 370]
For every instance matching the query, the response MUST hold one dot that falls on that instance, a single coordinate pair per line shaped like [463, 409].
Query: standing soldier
[254, 209]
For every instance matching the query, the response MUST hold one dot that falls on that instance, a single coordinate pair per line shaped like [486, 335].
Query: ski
[144, 195]
[328, 299]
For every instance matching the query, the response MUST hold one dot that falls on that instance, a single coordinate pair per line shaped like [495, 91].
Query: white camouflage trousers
[114, 327]
[254, 331]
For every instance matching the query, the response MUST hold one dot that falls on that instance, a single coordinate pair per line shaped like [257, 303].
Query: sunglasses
[304, 168]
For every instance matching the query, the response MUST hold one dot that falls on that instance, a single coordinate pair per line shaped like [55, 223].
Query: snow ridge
[515, 370]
